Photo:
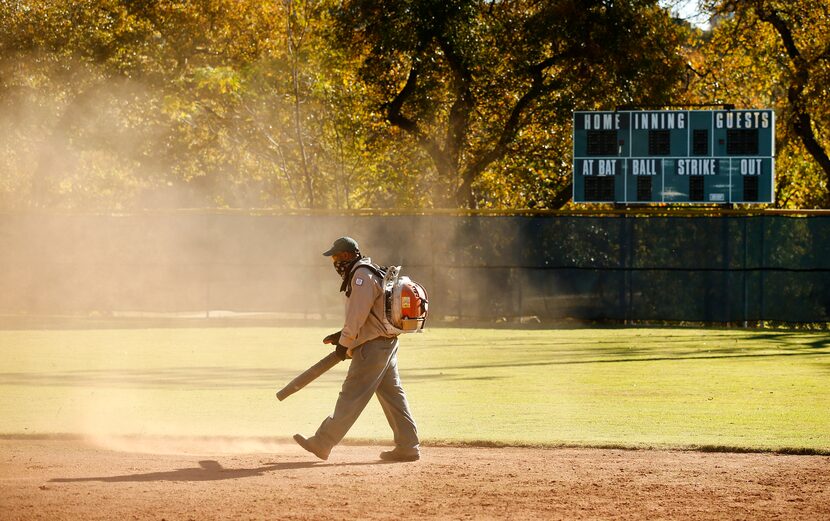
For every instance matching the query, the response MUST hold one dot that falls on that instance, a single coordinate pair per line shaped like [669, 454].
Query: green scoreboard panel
[674, 156]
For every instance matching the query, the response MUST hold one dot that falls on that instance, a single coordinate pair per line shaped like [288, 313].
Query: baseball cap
[342, 244]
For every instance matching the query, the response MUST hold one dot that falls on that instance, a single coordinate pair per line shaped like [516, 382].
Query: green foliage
[110, 104]
[480, 86]
[769, 53]
[114, 105]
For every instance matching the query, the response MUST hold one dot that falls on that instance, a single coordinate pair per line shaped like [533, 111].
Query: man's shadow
[209, 470]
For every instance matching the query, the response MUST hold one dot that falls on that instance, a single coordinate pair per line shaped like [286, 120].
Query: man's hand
[333, 338]
[341, 351]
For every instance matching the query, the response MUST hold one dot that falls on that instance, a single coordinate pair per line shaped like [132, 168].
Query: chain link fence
[538, 268]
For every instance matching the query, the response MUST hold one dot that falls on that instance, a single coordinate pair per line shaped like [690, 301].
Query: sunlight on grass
[629, 387]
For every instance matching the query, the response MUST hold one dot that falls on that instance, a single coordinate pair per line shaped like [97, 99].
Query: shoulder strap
[377, 269]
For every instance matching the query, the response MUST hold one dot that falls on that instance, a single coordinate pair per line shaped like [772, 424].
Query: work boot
[311, 446]
[400, 455]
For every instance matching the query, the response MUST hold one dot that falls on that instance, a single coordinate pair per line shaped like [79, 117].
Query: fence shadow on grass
[766, 346]
[430, 371]
[535, 353]
[526, 352]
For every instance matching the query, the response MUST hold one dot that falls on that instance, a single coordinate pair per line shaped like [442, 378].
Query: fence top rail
[460, 212]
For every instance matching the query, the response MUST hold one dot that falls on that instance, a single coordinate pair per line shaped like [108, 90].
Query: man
[374, 365]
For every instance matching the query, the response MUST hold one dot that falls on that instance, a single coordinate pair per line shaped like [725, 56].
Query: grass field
[658, 387]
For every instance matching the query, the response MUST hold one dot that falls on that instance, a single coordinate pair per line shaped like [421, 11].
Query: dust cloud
[188, 445]
[192, 266]
[102, 225]
[97, 221]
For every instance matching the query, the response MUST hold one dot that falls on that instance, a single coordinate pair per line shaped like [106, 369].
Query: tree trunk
[295, 41]
[800, 119]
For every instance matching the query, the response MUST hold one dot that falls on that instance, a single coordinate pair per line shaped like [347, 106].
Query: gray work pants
[373, 370]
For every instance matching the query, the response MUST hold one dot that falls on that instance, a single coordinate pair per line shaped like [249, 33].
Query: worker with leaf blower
[371, 342]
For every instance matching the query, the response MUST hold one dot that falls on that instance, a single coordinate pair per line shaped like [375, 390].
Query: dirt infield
[234, 479]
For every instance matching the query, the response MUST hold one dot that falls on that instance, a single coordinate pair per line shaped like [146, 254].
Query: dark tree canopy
[467, 79]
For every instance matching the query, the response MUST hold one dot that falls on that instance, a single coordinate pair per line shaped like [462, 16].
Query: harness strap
[378, 270]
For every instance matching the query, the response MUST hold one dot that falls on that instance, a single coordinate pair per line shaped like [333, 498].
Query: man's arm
[365, 289]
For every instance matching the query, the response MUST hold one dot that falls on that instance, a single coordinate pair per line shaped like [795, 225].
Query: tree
[405, 103]
[90, 83]
[467, 79]
[775, 53]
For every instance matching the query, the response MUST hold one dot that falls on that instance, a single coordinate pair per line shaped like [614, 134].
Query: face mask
[342, 267]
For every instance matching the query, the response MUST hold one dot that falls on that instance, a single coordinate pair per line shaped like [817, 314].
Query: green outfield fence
[647, 265]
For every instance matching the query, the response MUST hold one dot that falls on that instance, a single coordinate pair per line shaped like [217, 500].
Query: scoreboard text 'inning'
[674, 156]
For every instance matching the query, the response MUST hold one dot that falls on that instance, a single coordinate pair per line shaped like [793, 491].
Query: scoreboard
[674, 156]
